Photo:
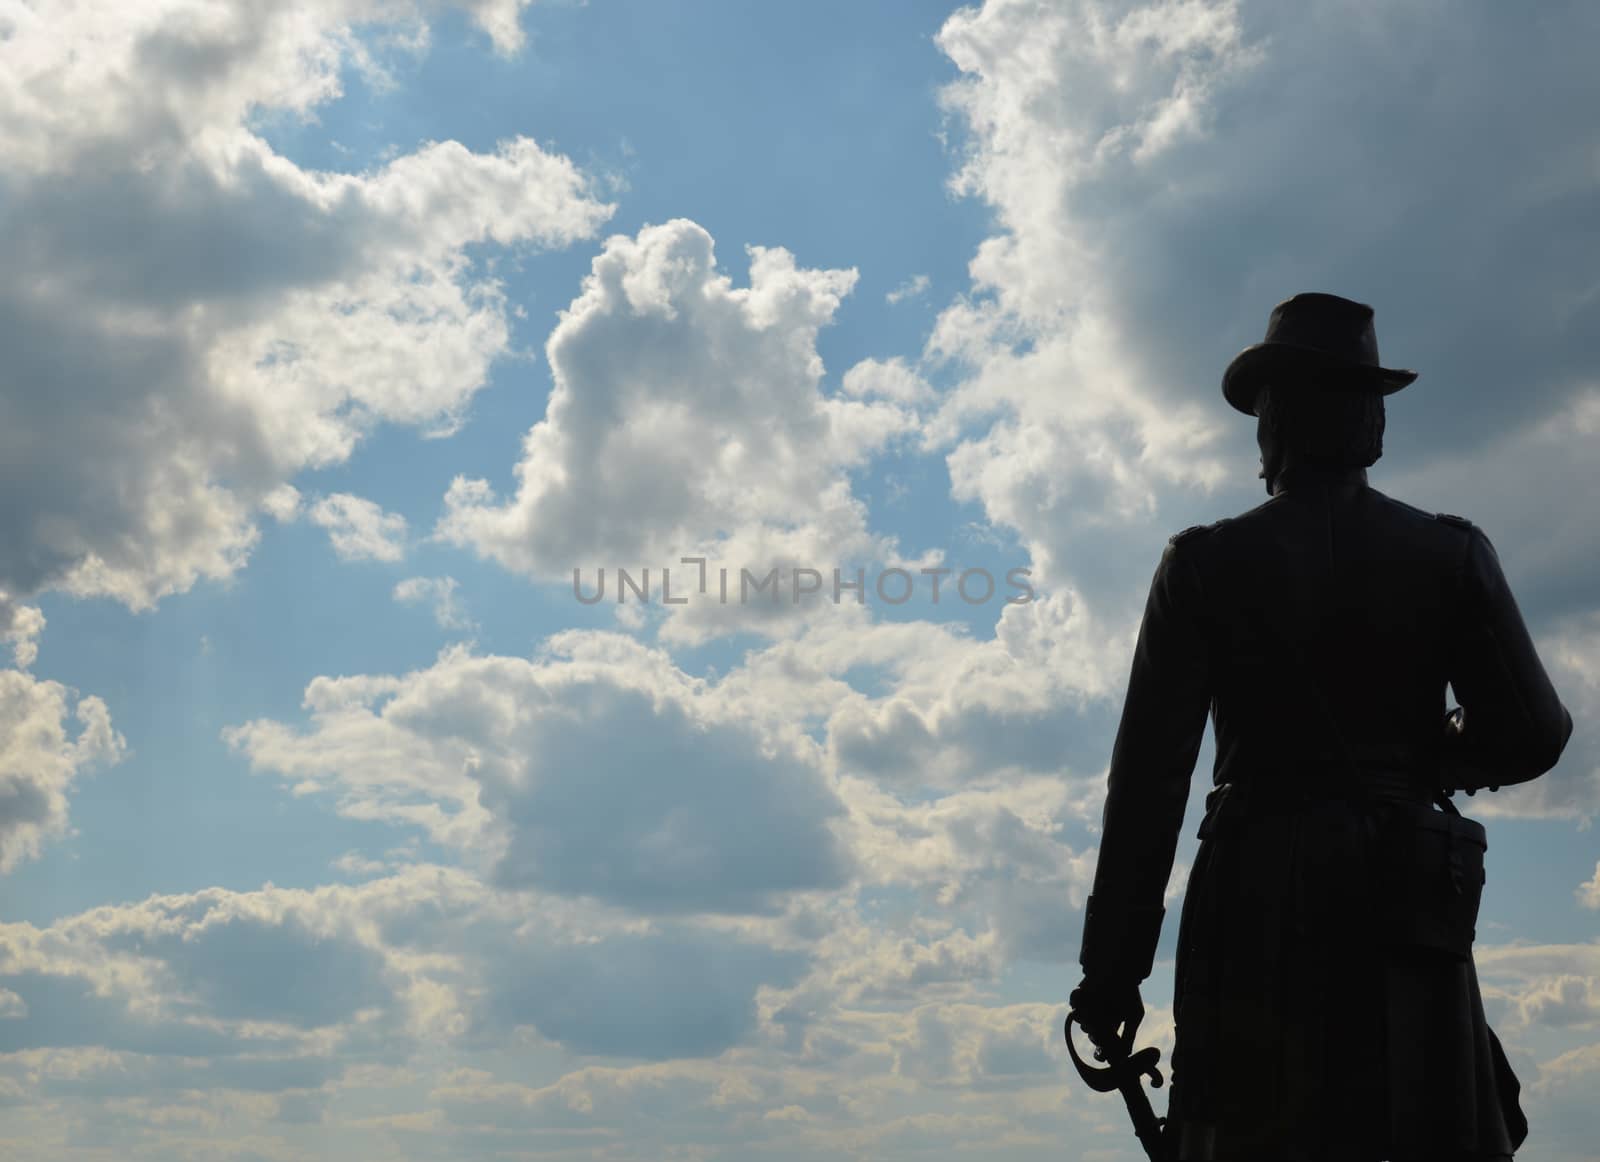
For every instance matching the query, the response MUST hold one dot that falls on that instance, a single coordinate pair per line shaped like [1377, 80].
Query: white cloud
[1548, 550]
[447, 610]
[1571, 790]
[217, 972]
[599, 769]
[282, 504]
[1560, 1103]
[193, 318]
[1064, 104]
[971, 1045]
[887, 379]
[677, 865]
[353, 863]
[948, 711]
[686, 420]
[501, 20]
[1163, 173]
[40, 758]
[27, 623]
[183, 1018]
[662, 995]
[912, 288]
[204, 995]
[861, 963]
[359, 529]
[994, 855]
[1588, 892]
[1541, 984]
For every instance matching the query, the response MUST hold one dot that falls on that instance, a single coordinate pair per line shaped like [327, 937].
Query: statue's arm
[1163, 722]
[1514, 726]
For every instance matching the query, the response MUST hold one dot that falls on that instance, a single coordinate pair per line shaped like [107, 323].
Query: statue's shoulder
[1423, 516]
[1195, 534]
[1192, 533]
[1466, 534]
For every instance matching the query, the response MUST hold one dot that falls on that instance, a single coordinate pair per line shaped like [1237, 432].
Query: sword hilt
[1124, 1071]
[1120, 1064]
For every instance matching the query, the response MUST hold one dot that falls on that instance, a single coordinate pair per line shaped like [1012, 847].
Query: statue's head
[1307, 422]
[1315, 384]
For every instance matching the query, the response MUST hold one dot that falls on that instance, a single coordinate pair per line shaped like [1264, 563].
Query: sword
[1124, 1071]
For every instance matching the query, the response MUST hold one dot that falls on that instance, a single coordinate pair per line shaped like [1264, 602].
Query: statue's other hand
[1461, 766]
[1108, 1010]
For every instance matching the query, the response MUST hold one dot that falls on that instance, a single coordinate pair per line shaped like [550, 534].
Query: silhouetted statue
[1327, 1005]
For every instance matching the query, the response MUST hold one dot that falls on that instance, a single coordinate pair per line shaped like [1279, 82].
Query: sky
[336, 824]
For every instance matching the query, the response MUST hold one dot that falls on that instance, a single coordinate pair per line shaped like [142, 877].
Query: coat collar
[1308, 476]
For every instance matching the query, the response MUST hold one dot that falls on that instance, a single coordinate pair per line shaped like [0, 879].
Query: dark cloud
[659, 996]
[65, 1010]
[243, 968]
[637, 802]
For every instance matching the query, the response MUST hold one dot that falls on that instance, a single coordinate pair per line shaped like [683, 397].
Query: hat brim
[1250, 367]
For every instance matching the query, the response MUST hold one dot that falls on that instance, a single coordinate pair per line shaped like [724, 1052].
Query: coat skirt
[1303, 1032]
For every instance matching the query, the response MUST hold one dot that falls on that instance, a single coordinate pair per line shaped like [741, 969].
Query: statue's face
[1271, 454]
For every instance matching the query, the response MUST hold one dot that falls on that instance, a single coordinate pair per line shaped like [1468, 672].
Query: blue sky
[333, 826]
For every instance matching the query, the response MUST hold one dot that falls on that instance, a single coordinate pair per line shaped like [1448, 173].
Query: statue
[1326, 1002]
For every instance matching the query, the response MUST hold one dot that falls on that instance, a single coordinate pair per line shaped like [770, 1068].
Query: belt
[1316, 782]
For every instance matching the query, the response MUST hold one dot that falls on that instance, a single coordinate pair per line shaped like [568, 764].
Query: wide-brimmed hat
[1313, 332]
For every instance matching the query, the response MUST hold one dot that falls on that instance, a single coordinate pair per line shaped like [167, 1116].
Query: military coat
[1302, 1031]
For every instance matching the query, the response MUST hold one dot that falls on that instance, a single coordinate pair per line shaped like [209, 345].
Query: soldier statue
[1326, 1004]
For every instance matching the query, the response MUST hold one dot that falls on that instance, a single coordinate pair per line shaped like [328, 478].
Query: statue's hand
[1109, 1011]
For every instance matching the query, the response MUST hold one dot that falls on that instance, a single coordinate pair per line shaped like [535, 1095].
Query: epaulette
[1451, 518]
[1191, 532]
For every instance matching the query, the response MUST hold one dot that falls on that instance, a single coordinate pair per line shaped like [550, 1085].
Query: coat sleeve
[1158, 739]
[1515, 726]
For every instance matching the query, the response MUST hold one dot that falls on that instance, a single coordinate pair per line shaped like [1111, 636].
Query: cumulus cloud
[1561, 1097]
[283, 504]
[913, 287]
[659, 996]
[687, 419]
[1544, 1001]
[268, 1001]
[26, 624]
[441, 591]
[1163, 173]
[1000, 856]
[1068, 107]
[353, 863]
[598, 769]
[41, 757]
[1571, 652]
[1034, 699]
[771, 869]
[898, 967]
[671, 1105]
[191, 318]
[282, 972]
[359, 529]
[968, 1045]
[1133, 153]
[889, 379]
[996, 1073]
[1549, 551]
[1588, 892]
